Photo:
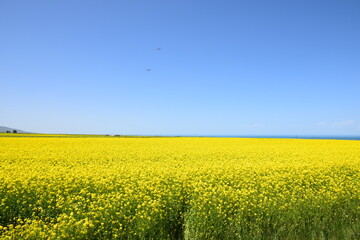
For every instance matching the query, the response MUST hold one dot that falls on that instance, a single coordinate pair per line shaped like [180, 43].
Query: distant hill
[5, 129]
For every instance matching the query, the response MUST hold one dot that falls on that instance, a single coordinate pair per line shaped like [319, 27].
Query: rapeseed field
[178, 188]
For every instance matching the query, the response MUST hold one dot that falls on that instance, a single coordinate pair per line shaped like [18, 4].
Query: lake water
[290, 136]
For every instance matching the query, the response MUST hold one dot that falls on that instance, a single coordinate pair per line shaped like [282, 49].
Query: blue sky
[224, 68]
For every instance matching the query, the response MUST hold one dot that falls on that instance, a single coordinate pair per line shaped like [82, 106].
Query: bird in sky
[149, 69]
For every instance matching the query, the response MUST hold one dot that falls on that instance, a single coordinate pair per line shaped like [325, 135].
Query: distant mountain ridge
[5, 129]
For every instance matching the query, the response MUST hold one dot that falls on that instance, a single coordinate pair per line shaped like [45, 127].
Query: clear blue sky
[224, 68]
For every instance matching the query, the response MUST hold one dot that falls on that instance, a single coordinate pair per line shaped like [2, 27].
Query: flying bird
[149, 69]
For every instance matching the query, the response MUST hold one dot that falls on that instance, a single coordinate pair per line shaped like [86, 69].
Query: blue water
[290, 136]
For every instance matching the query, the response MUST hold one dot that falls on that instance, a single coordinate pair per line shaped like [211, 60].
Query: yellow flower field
[178, 188]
